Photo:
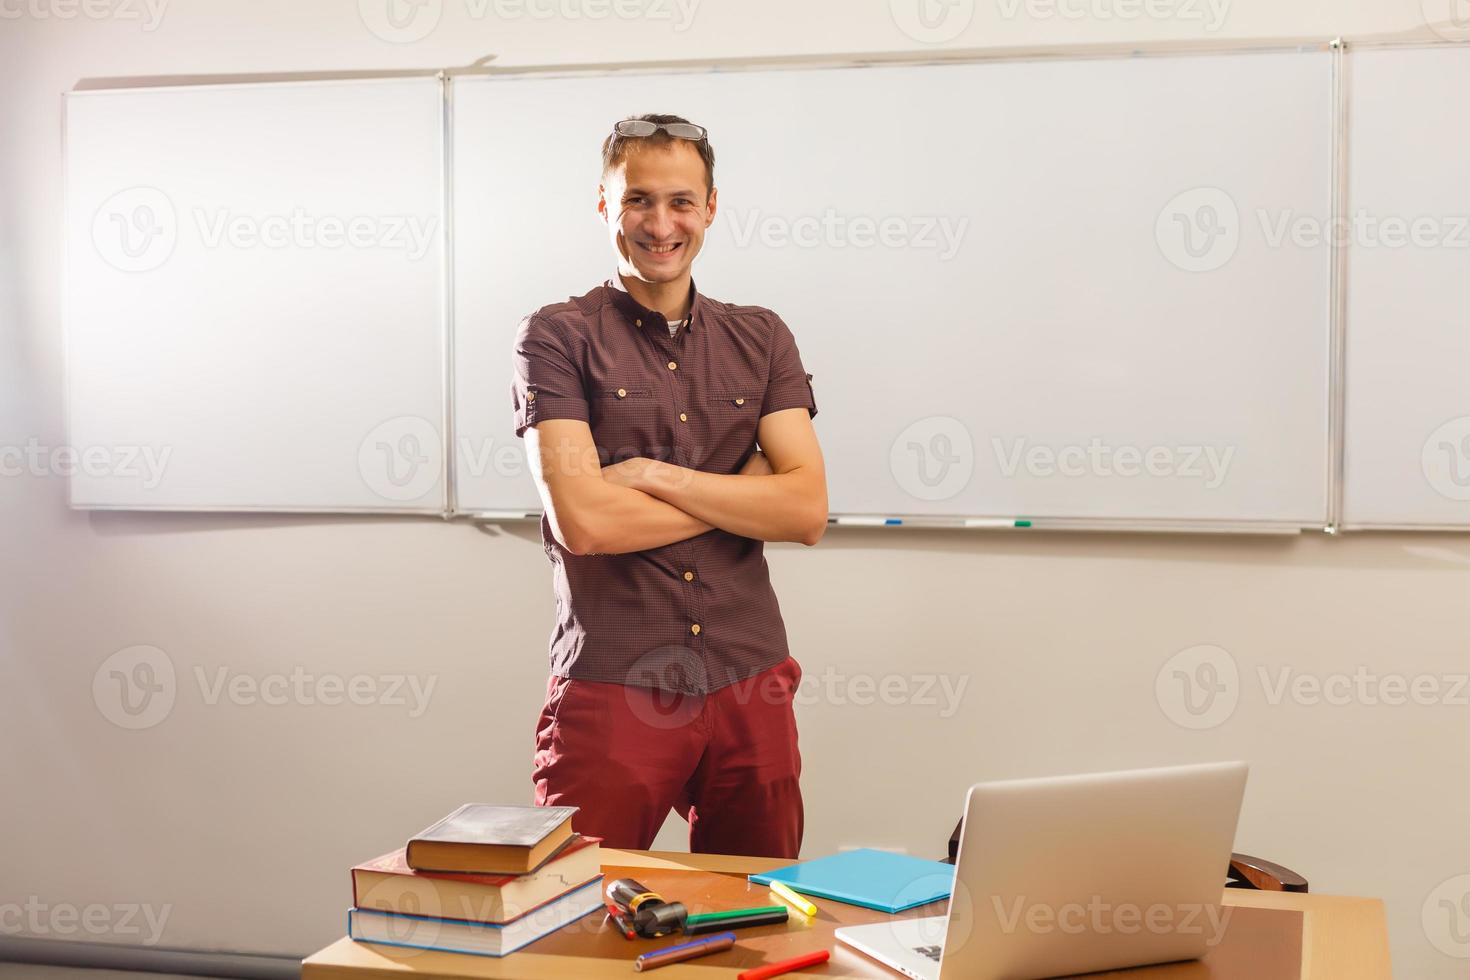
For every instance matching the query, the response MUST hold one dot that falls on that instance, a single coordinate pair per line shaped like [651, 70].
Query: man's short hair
[615, 148]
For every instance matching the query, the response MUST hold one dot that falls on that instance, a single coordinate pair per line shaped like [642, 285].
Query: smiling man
[642, 404]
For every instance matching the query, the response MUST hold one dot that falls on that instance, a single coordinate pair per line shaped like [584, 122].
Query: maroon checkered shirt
[698, 614]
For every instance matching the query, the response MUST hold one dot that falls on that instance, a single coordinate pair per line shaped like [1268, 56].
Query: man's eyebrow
[642, 192]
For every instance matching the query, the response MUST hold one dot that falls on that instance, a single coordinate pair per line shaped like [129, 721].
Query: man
[642, 403]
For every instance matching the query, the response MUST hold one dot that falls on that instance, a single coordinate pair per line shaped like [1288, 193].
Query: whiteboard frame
[1335, 47]
[446, 335]
[1377, 43]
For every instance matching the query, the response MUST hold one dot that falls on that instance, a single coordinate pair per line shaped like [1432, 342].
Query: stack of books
[485, 880]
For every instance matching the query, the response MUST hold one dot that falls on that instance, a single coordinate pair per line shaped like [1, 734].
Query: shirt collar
[636, 311]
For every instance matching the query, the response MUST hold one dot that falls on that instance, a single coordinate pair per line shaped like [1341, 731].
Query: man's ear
[709, 209]
[602, 202]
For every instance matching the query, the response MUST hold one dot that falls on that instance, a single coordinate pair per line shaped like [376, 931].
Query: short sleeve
[546, 383]
[789, 386]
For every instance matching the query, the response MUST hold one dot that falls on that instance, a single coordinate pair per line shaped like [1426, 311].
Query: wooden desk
[1336, 938]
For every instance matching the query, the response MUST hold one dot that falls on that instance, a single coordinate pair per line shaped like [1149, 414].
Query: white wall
[240, 820]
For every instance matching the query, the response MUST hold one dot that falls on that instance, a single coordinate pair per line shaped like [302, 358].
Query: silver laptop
[1074, 874]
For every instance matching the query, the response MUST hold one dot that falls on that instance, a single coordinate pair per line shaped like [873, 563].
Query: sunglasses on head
[642, 127]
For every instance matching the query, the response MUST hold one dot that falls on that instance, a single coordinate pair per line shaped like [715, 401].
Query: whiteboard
[255, 296]
[1406, 453]
[984, 266]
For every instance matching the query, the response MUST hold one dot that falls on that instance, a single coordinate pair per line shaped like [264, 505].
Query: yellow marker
[791, 898]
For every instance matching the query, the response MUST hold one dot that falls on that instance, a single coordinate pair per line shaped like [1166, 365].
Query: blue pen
[685, 951]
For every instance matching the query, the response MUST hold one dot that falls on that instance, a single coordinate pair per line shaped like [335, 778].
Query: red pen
[786, 966]
[621, 923]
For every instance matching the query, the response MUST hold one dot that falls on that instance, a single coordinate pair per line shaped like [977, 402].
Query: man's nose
[660, 223]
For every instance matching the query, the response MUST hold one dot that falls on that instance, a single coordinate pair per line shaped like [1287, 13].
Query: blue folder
[873, 879]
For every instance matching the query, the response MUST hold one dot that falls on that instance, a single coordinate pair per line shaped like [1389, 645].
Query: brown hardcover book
[388, 884]
[488, 839]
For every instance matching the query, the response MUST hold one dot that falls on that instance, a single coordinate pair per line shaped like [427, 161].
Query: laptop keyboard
[930, 951]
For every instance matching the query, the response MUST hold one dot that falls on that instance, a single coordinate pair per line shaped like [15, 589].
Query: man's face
[656, 208]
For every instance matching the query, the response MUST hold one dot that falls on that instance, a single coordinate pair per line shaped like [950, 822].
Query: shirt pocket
[624, 421]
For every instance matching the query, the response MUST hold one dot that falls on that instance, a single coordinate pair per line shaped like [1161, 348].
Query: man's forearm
[788, 506]
[630, 520]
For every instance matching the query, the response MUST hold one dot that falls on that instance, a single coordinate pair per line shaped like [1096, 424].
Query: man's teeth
[660, 249]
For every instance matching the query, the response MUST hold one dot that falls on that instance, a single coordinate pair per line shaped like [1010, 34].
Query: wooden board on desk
[1269, 936]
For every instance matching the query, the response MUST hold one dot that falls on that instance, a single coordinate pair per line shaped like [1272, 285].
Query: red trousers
[727, 761]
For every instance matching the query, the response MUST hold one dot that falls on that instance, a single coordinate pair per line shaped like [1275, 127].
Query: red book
[388, 884]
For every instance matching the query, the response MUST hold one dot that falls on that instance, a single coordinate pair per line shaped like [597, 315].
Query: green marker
[731, 913]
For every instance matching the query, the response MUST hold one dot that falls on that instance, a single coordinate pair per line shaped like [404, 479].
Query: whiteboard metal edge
[929, 522]
[1075, 52]
[448, 463]
[256, 509]
[1337, 298]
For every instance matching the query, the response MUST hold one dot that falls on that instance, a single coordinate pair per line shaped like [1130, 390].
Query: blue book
[873, 879]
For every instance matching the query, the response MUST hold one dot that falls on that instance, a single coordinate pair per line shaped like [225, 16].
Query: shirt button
[689, 576]
[673, 365]
[622, 392]
[683, 417]
[740, 401]
[694, 629]
[638, 323]
[530, 396]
